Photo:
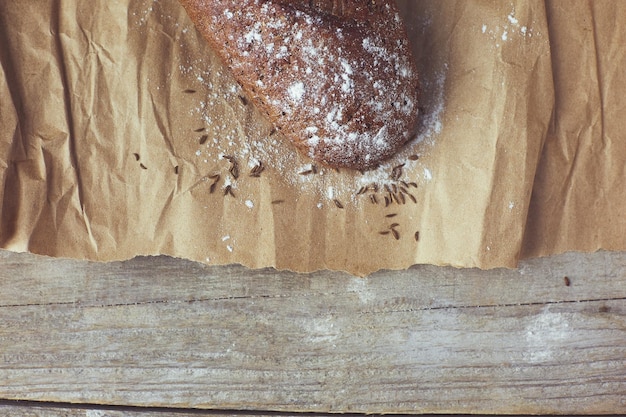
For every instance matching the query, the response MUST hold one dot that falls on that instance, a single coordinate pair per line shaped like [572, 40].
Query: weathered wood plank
[29, 279]
[165, 332]
[60, 410]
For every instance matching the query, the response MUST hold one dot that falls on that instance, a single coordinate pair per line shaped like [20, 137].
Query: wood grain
[19, 409]
[162, 332]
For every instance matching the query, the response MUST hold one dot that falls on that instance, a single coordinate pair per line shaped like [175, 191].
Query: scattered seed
[396, 173]
[389, 216]
[143, 166]
[234, 166]
[394, 187]
[278, 201]
[176, 170]
[257, 170]
[307, 172]
[402, 198]
[362, 190]
[413, 184]
[417, 236]
[387, 201]
[373, 199]
[189, 91]
[412, 197]
[392, 230]
[244, 100]
[338, 203]
[567, 281]
[414, 157]
[200, 129]
[203, 139]
[273, 131]
[234, 170]
[229, 190]
[136, 156]
[216, 179]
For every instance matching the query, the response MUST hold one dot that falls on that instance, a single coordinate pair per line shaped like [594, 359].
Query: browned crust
[336, 77]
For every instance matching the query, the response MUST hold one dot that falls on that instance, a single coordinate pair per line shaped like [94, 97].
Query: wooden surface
[38, 410]
[161, 332]
[52, 410]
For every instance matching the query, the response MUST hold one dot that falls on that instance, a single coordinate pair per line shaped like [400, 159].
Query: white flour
[509, 29]
[231, 131]
[277, 152]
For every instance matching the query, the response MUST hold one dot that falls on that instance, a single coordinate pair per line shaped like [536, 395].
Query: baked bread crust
[337, 77]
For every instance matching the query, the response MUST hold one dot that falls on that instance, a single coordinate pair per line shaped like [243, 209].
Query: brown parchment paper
[579, 197]
[116, 118]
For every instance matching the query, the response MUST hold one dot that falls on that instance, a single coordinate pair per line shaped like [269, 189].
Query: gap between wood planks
[137, 410]
[78, 304]
[170, 411]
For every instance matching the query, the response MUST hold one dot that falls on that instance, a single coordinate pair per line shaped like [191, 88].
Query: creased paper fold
[123, 135]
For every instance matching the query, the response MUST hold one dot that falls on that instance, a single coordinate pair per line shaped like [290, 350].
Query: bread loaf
[335, 76]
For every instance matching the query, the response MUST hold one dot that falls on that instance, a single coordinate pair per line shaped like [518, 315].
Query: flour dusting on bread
[339, 81]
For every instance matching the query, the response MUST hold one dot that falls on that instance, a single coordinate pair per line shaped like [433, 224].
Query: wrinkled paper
[124, 135]
[579, 196]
